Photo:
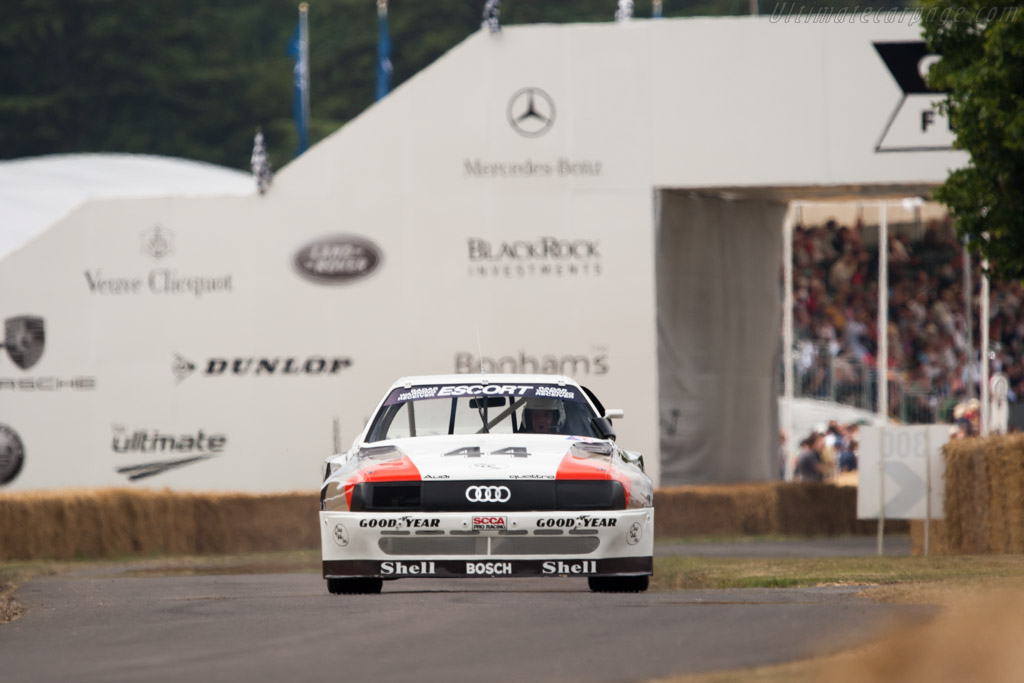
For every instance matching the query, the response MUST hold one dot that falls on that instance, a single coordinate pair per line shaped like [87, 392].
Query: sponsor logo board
[488, 494]
[12, 454]
[25, 340]
[531, 112]
[400, 523]
[398, 568]
[540, 257]
[455, 390]
[157, 243]
[187, 449]
[127, 440]
[562, 567]
[573, 365]
[917, 124]
[580, 522]
[490, 523]
[488, 568]
[182, 367]
[337, 259]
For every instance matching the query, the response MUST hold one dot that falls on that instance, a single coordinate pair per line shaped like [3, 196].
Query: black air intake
[516, 495]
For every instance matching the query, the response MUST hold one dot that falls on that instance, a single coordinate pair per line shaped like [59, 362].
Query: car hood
[503, 456]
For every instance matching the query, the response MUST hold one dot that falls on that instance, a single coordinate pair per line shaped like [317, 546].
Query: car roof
[485, 378]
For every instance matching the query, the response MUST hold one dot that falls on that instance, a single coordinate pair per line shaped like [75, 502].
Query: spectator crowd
[933, 358]
[934, 370]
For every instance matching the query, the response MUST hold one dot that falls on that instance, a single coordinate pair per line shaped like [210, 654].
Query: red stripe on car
[587, 467]
[401, 469]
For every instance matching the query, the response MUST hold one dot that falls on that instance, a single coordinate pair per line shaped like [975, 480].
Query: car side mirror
[634, 458]
[614, 413]
[604, 428]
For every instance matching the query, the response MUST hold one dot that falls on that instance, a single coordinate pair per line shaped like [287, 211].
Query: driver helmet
[552, 405]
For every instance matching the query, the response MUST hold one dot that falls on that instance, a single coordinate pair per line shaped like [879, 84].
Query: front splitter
[490, 568]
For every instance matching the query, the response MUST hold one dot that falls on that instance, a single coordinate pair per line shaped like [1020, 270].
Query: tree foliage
[194, 78]
[982, 69]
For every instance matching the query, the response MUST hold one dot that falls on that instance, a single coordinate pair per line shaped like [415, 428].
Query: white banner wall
[503, 193]
[248, 372]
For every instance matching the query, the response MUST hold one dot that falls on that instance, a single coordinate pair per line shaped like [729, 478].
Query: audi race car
[487, 476]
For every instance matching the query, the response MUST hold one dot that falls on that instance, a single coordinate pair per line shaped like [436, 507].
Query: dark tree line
[194, 78]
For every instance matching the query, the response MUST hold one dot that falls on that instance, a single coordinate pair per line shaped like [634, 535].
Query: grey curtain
[719, 314]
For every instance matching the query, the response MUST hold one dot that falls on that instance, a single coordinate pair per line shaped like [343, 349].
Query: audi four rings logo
[488, 494]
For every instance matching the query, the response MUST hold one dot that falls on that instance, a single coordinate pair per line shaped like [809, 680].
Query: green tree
[194, 78]
[982, 69]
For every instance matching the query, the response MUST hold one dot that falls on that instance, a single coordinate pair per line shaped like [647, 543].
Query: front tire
[618, 584]
[370, 584]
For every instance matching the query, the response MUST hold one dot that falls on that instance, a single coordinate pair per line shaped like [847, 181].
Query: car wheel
[352, 586]
[618, 584]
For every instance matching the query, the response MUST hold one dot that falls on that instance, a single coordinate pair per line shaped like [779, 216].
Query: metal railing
[819, 374]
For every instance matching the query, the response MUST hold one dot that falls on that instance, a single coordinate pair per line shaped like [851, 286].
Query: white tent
[604, 201]
[37, 192]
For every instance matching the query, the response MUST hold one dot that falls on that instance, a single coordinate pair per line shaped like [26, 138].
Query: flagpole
[383, 51]
[304, 51]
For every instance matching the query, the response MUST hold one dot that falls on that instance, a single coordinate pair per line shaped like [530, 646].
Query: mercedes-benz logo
[488, 494]
[531, 112]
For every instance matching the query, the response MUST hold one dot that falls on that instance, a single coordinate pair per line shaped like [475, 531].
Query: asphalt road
[286, 627]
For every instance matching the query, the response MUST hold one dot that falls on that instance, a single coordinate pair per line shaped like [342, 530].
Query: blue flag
[298, 49]
[383, 51]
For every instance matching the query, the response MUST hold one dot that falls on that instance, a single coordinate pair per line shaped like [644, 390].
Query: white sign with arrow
[904, 467]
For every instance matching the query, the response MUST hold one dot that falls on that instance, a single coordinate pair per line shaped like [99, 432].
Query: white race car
[487, 476]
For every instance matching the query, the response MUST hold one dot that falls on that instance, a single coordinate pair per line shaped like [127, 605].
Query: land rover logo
[12, 454]
[337, 259]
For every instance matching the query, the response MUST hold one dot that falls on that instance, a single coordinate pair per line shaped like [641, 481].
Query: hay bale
[985, 495]
[800, 509]
[238, 523]
[815, 509]
[714, 510]
[118, 522]
[938, 538]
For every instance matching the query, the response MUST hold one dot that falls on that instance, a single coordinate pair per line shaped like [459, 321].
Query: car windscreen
[483, 408]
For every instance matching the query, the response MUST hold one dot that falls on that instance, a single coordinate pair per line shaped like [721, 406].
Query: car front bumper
[484, 544]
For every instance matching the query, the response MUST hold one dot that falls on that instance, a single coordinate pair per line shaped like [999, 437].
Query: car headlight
[332, 497]
[379, 453]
